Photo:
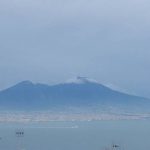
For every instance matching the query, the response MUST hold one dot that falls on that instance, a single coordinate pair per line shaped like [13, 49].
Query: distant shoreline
[25, 117]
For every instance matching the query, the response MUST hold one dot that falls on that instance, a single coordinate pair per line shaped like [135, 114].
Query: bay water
[76, 135]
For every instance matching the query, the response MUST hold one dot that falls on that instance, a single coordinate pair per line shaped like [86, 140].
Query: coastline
[25, 117]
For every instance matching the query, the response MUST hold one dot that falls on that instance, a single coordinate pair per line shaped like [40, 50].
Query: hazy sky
[50, 41]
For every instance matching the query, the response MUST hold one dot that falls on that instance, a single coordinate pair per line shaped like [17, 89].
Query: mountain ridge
[79, 93]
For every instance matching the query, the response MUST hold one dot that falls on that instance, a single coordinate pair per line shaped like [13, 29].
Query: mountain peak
[78, 92]
[25, 83]
[81, 80]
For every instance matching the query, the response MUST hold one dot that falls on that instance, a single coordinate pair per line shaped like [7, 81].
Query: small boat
[19, 133]
[113, 147]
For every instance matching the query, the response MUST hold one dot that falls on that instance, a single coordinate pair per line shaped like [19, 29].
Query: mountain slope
[79, 93]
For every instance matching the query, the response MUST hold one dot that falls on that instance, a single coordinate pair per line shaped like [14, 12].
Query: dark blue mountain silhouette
[82, 93]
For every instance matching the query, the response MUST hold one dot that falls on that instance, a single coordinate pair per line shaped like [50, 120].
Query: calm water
[96, 135]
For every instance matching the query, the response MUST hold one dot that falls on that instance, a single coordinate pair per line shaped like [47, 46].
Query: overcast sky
[50, 41]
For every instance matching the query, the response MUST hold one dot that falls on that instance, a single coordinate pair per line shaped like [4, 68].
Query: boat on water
[19, 133]
[113, 147]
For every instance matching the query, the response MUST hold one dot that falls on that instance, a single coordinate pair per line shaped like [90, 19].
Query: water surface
[93, 135]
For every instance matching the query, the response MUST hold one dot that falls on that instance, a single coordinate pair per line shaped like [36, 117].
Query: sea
[76, 135]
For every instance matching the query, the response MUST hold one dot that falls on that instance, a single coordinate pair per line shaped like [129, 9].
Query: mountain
[80, 93]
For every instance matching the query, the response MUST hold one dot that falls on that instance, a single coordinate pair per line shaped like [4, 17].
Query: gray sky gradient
[50, 41]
